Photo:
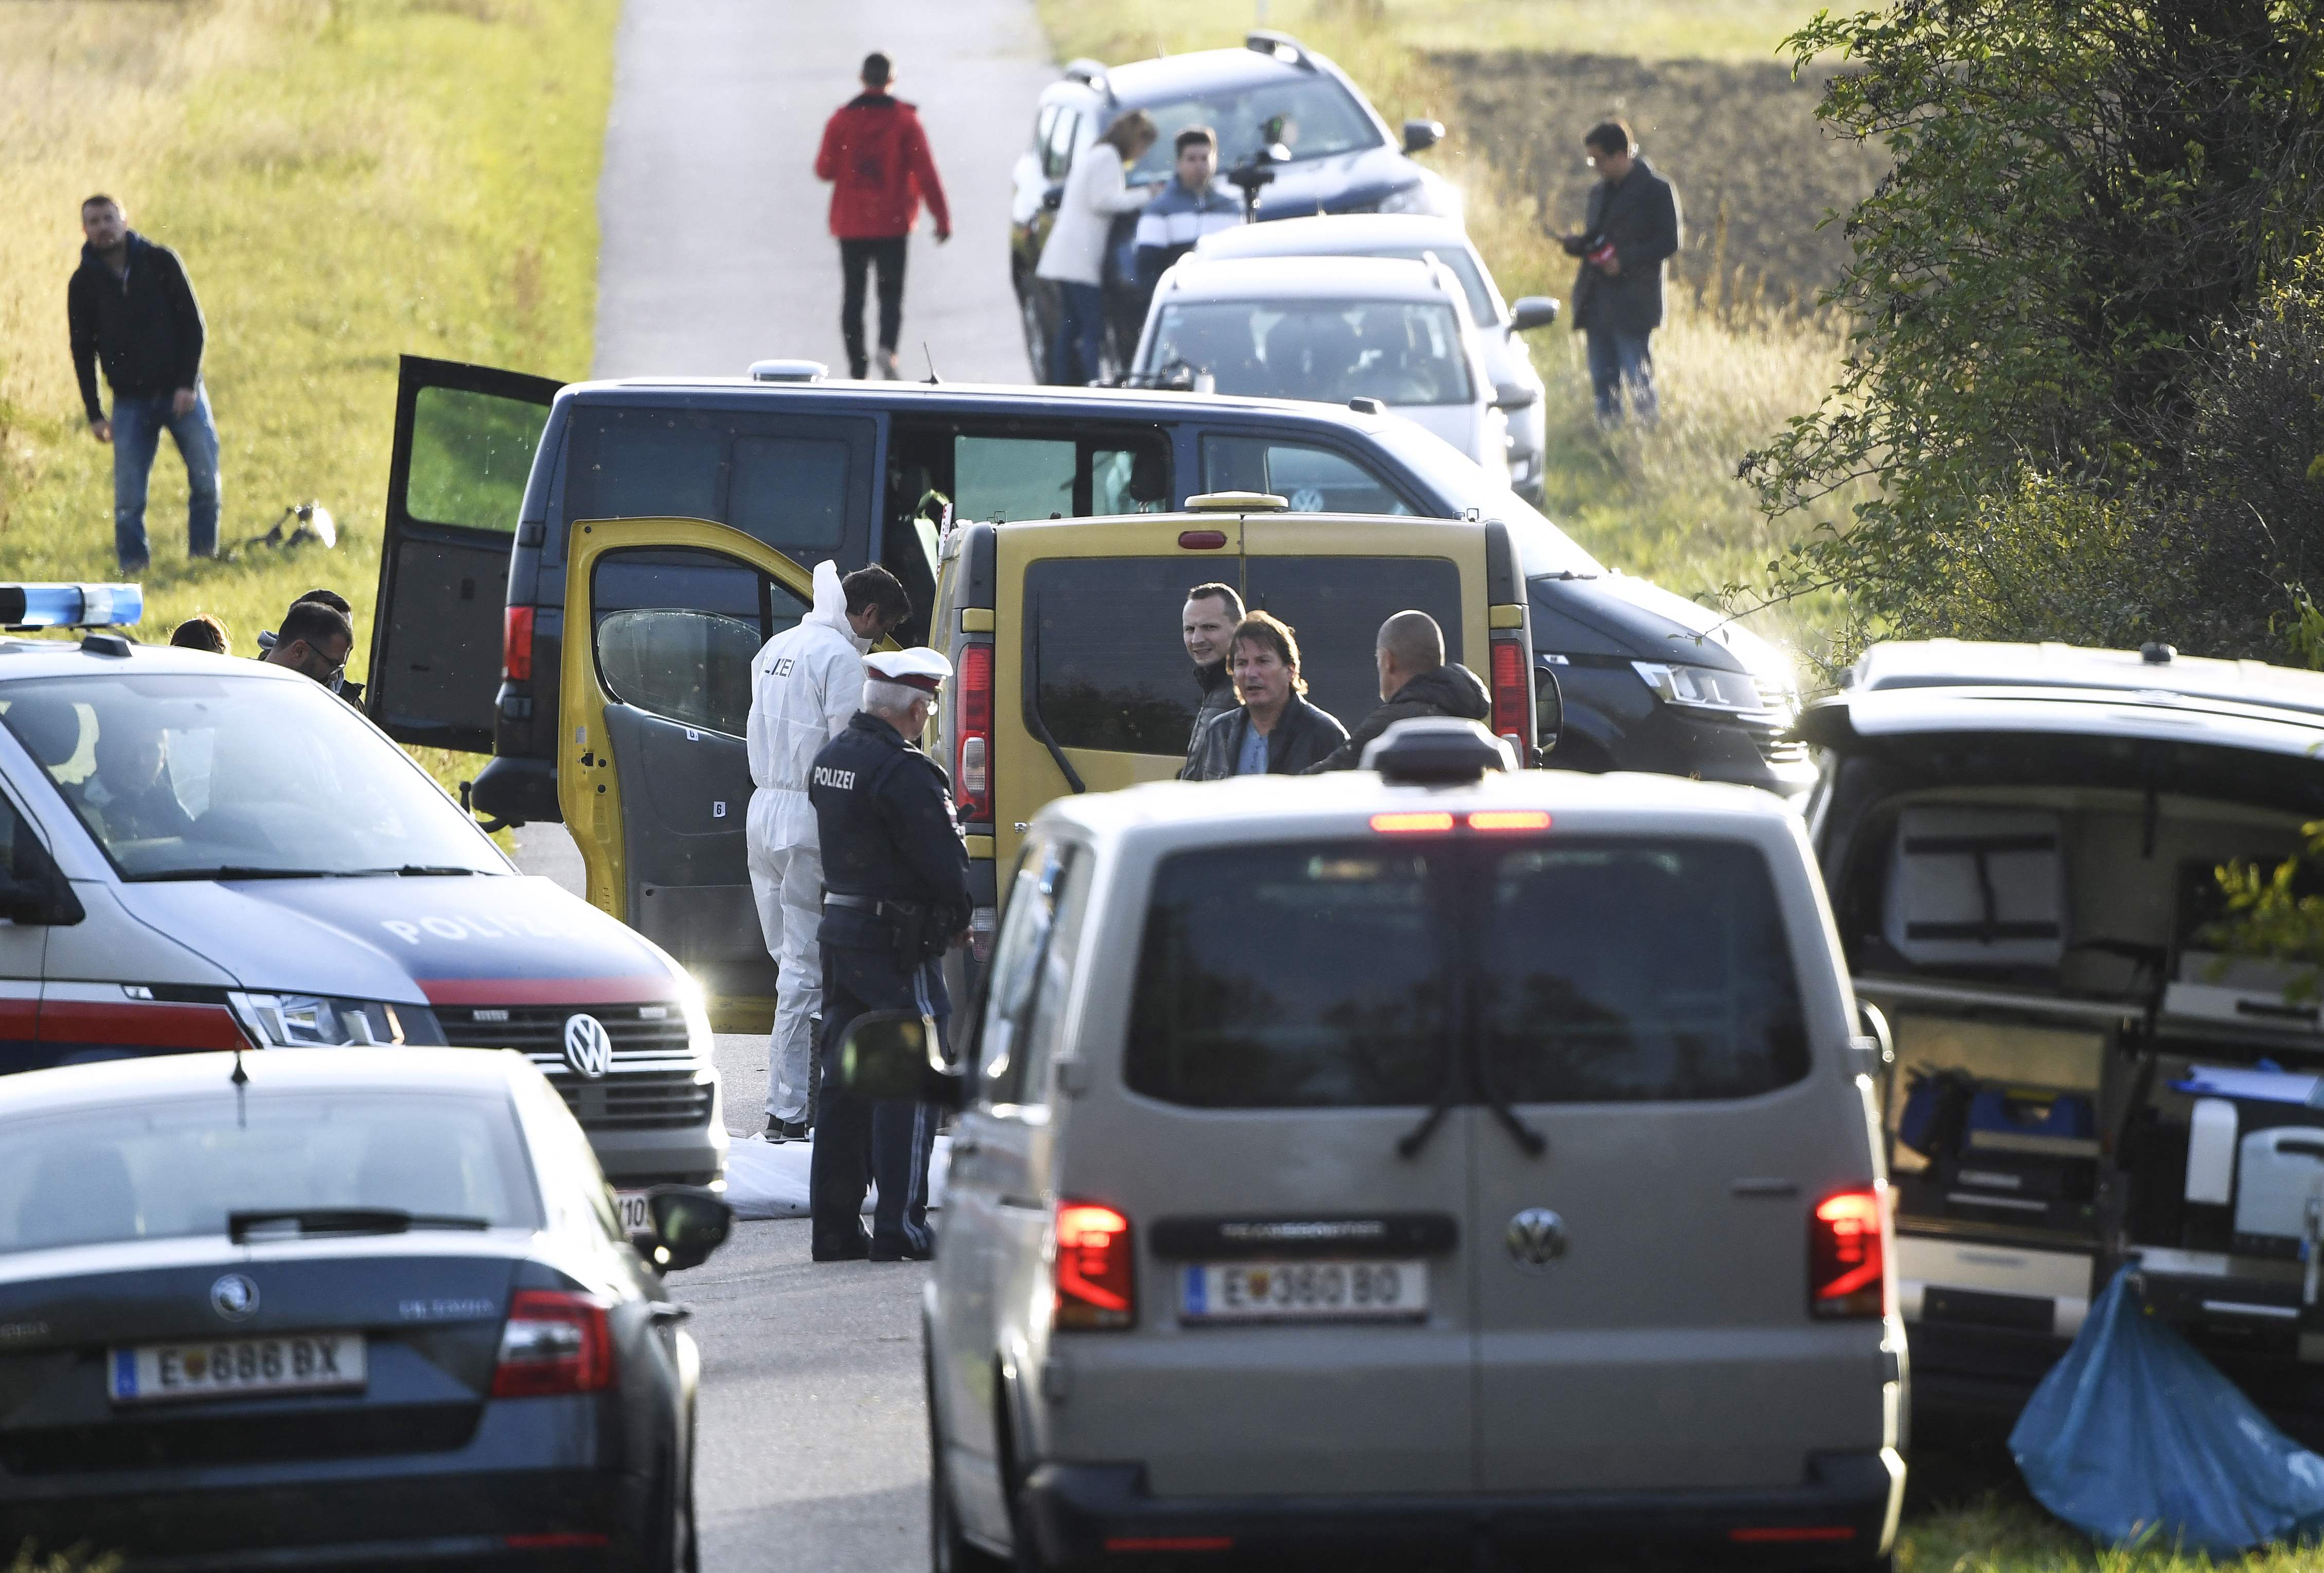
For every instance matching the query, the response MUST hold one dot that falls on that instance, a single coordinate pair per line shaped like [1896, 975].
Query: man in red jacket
[876, 156]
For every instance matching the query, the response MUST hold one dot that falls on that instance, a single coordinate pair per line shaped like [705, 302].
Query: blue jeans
[1619, 361]
[137, 427]
[1080, 335]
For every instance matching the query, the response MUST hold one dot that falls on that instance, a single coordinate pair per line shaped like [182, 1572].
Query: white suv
[1425, 1159]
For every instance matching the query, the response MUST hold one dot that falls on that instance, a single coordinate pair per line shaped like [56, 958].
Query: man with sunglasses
[314, 639]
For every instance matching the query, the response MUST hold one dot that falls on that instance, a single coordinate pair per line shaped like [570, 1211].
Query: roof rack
[27, 606]
[1280, 46]
[789, 371]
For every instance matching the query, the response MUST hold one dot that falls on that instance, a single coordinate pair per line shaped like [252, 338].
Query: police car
[201, 852]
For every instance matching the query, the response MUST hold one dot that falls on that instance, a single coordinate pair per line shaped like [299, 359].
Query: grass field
[346, 181]
[1517, 81]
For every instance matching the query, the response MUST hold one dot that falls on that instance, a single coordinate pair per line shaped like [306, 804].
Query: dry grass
[345, 180]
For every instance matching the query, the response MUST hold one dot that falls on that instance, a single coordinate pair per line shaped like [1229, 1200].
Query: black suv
[1344, 158]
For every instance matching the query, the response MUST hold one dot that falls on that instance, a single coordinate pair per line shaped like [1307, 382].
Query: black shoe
[901, 1254]
[786, 1130]
[856, 1252]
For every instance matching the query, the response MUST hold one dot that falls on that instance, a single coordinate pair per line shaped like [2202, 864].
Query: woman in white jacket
[1096, 190]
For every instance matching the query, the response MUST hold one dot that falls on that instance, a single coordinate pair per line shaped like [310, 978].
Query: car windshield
[162, 1171]
[1319, 118]
[180, 775]
[1398, 352]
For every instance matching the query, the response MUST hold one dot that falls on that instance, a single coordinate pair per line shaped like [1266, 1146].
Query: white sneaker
[885, 362]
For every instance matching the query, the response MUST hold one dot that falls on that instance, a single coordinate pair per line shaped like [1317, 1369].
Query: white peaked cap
[919, 667]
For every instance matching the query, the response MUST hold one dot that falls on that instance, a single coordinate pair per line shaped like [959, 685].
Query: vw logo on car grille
[1536, 1238]
[235, 1298]
[588, 1046]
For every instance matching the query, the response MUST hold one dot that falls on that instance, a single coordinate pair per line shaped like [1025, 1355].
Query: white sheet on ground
[764, 1180]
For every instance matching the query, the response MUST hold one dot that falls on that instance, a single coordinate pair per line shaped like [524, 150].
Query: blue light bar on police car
[70, 605]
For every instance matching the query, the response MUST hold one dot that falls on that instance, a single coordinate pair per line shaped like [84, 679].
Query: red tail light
[1513, 697]
[516, 644]
[972, 778]
[554, 1342]
[1848, 1255]
[1094, 1279]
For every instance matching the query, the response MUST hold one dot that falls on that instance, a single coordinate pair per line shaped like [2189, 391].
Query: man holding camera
[1632, 231]
[895, 897]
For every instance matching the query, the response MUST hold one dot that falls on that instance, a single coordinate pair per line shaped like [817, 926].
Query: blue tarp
[2134, 1437]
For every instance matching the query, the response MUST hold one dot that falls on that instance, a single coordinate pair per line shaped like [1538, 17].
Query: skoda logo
[235, 1298]
[588, 1047]
[1536, 1238]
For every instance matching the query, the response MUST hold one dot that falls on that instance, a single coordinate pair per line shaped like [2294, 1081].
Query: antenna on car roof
[934, 380]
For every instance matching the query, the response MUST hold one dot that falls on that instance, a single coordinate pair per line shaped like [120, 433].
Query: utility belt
[920, 931]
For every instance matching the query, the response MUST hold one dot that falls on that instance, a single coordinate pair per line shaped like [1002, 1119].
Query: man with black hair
[314, 639]
[875, 154]
[1189, 207]
[1208, 621]
[1632, 231]
[131, 307]
[350, 692]
[806, 686]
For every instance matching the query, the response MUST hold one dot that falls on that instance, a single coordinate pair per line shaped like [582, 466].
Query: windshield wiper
[345, 1220]
[232, 871]
[408, 870]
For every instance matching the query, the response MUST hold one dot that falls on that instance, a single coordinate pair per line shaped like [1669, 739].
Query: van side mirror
[38, 895]
[1420, 135]
[1548, 709]
[1054, 197]
[1532, 311]
[689, 1223]
[892, 1054]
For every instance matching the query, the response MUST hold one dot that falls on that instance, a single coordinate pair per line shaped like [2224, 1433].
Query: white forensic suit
[805, 684]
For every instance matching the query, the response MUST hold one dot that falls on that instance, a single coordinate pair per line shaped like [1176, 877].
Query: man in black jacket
[130, 305]
[1633, 230]
[1208, 621]
[1275, 731]
[1414, 679]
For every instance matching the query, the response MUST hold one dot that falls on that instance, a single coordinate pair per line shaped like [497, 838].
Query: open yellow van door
[662, 619]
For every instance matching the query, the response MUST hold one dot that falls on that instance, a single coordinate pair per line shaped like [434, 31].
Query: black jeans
[858, 1140]
[856, 258]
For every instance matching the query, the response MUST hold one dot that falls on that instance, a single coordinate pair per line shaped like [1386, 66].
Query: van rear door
[1095, 692]
[1644, 1203]
[465, 437]
[662, 619]
[1285, 1144]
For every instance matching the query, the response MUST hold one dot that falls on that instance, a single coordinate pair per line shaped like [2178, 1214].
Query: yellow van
[1072, 674]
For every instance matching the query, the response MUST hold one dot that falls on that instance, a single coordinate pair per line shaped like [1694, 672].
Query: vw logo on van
[234, 1297]
[588, 1046]
[1536, 1238]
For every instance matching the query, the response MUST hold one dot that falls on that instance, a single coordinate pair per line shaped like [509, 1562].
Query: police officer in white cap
[806, 683]
[895, 876]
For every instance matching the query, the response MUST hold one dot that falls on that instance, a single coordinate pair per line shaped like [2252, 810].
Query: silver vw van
[1419, 1156]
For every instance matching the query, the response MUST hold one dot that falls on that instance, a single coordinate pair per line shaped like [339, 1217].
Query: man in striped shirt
[1190, 206]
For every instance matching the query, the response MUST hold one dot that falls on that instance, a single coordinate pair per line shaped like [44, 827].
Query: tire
[949, 1550]
[1036, 338]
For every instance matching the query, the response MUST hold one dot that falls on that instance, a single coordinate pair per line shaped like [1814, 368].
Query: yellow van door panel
[589, 783]
[1025, 774]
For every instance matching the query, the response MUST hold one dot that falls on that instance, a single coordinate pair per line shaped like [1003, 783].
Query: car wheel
[1028, 313]
[949, 1550]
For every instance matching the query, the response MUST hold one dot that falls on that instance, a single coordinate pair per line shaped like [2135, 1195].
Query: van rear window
[1302, 976]
[1111, 661]
[1354, 974]
[1615, 972]
[792, 481]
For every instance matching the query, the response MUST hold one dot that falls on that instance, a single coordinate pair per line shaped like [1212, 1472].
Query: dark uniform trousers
[860, 1142]
[883, 811]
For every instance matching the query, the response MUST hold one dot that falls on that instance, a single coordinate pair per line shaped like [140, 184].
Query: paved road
[714, 249]
[714, 254]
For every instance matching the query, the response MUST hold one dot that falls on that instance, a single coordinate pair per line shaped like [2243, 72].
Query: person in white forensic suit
[806, 683]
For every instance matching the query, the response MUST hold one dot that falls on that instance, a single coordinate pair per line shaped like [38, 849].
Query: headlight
[1702, 688]
[299, 1021]
[1436, 198]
